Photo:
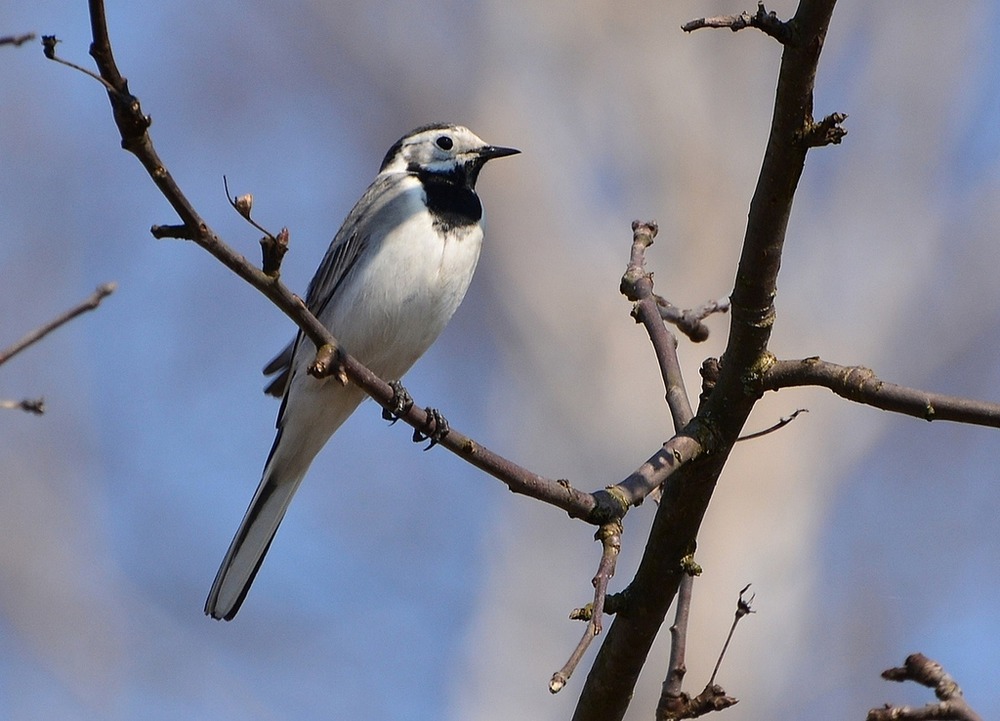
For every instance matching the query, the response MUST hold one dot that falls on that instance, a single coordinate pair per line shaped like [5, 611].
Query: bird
[390, 281]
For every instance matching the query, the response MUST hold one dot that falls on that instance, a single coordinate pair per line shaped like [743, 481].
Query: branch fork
[926, 672]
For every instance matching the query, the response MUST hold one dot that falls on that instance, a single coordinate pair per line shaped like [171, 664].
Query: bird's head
[442, 149]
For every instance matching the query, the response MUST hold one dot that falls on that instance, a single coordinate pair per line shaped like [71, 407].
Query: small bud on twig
[244, 204]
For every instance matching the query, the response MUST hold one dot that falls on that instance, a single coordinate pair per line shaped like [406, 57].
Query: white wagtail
[393, 276]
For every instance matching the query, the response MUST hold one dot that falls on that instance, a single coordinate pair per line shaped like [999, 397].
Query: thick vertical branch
[609, 687]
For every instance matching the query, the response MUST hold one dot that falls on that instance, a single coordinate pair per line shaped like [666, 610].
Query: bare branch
[686, 492]
[49, 43]
[766, 22]
[598, 508]
[782, 422]
[742, 609]
[637, 286]
[689, 322]
[36, 335]
[674, 703]
[676, 453]
[610, 536]
[685, 447]
[861, 385]
[927, 672]
[671, 689]
[652, 311]
[16, 40]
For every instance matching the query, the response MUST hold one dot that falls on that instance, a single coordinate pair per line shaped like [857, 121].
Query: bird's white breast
[406, 287]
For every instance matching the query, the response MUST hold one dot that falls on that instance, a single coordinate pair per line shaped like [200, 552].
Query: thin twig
[689, 321]
[49, 43]
[742, 609]
[36, 335]
[610, 536]
[243, 204]
[674, 704]
[273, 247]
[16, 40]
[782, 422]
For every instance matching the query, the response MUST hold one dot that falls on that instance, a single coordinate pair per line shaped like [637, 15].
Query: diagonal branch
[133, 127]
[16, 40]
[597, 508]
[36, 335]
[861, 385]
[782, 422]
[610, 536]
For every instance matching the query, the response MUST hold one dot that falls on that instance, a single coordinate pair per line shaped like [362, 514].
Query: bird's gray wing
[348, 246]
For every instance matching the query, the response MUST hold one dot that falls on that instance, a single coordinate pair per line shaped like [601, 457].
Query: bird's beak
[494, 151]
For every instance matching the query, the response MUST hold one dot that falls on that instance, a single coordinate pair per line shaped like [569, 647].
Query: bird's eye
[444, 142]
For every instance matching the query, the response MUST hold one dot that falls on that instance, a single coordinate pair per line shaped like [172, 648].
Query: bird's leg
[400, 404]
[438, 429]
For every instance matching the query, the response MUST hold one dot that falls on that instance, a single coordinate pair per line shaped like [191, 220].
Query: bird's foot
[438, 429]
[400, 404]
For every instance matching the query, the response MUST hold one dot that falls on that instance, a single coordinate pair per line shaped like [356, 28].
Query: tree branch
[686, 493]
[671, 690]
[782, 422]
[16, 40]
[610, 536]
[597, 508]
[637, 286]
[743, 608]
[927, 672]
[689, 322]
[36, 335]
[766, 22]
[133, 127]
[861, 385]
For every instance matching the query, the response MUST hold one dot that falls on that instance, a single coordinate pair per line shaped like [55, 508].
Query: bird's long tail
[300, 437]
[249, 546]
[309, 416]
